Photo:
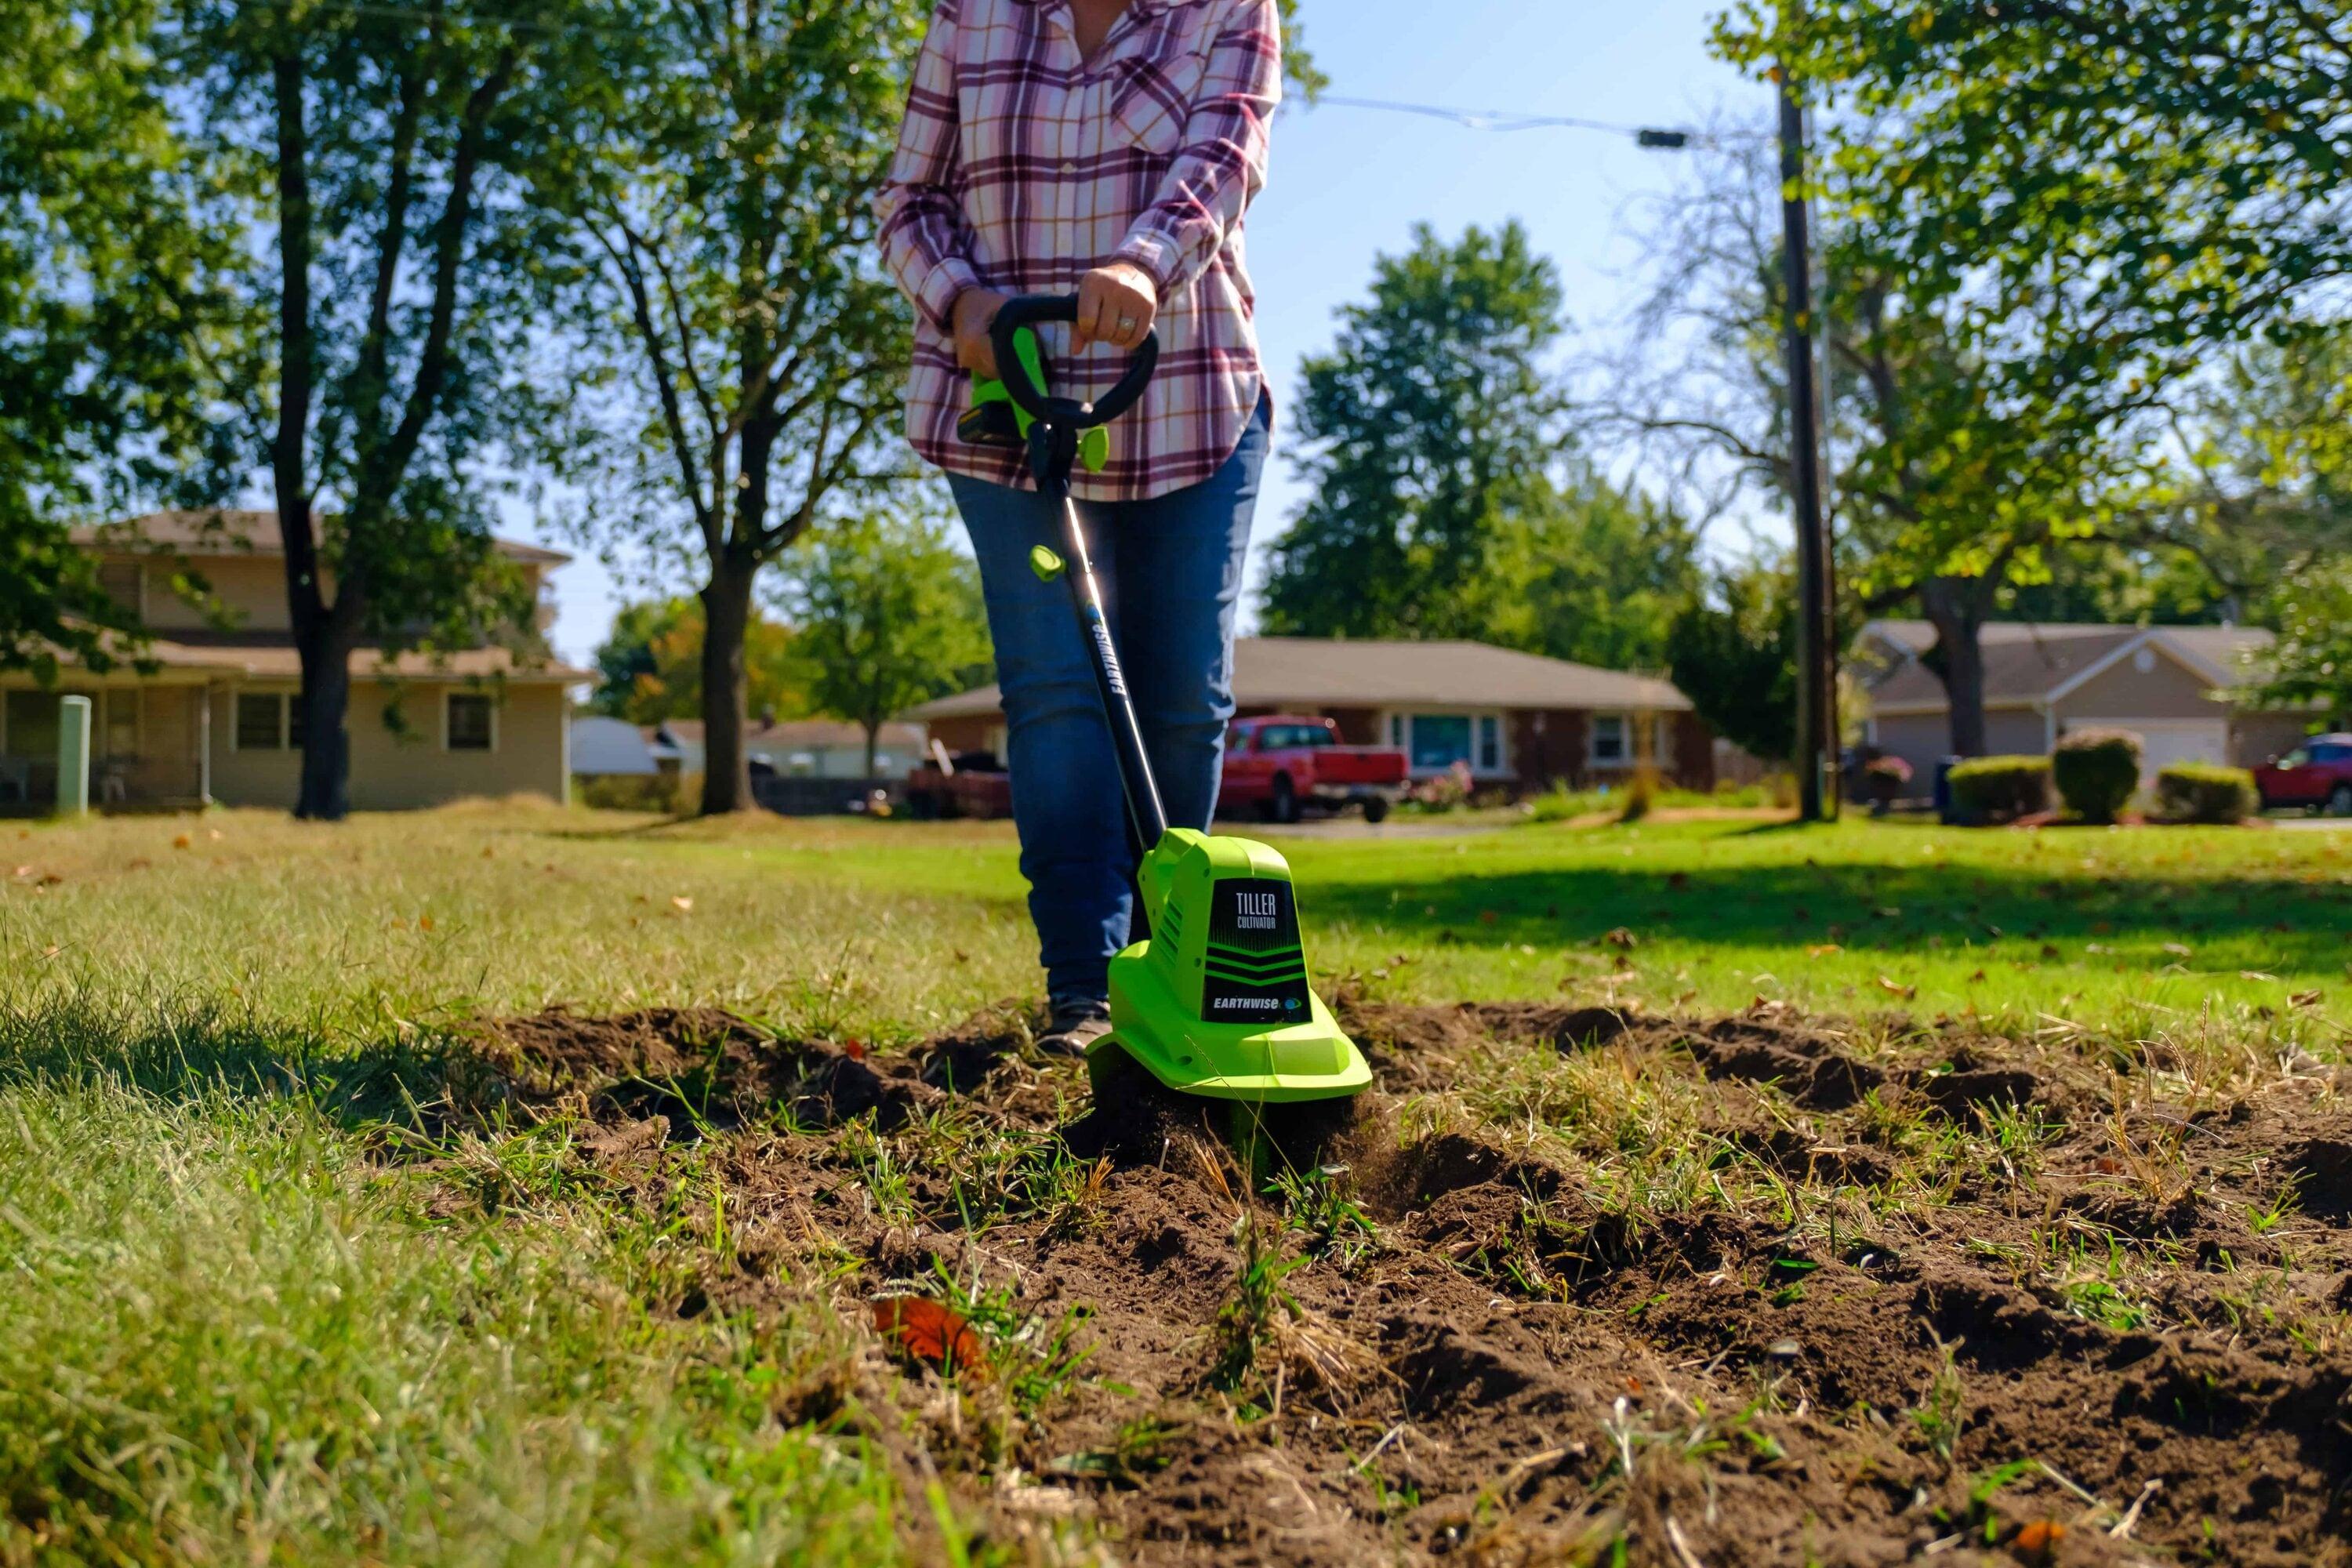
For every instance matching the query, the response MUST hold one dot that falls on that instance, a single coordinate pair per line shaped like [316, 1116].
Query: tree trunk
[726, 687]
[873, 744]
[322, 635]
[1954, 606]
[325, 702]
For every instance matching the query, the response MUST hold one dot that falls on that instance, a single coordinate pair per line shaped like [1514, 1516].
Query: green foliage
[1431, 421]
[2311, 664]
[1297, 65]
[2193, 149]
[650, 665]
[1446, 504]
[114, 257]
[1733, 655]
[2204, 792]
[888, 614]
[2000, 789]
[2097, 771]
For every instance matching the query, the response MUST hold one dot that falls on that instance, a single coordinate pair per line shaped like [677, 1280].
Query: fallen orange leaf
[1896, 988]
[2039, 1539]
[1822, 950]
[930, 1332]
[682, 904]
[184, 841]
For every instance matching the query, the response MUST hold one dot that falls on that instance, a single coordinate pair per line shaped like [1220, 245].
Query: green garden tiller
[1215, 1005]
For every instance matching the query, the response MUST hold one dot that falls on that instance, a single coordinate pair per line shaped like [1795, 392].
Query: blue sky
[1350, 184]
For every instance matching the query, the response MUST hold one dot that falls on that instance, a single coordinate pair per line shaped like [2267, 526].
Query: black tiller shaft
[1144, 811]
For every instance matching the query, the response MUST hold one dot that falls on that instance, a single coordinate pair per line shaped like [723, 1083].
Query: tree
[114, 304]
[749, 352]
[1733, 652]
[2265, 492]
[2167, 175]
[386, 144]
[889, 615]
[1593, 572]
[2100, 199]
[1950, 486]
[650, 665]
[2310, 665]
[1432, 430]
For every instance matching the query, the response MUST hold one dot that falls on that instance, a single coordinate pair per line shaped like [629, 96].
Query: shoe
[1076, 1026]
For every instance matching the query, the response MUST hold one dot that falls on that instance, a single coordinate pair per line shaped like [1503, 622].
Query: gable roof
[235, 532]
[2026, 665]
[1325, 672]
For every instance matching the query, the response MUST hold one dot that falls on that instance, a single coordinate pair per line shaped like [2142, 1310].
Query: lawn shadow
[202, 1051]
[2288, 924]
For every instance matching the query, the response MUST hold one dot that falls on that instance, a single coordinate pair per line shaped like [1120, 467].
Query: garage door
[2168, 741]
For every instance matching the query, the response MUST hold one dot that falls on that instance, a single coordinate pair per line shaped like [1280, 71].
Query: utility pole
[1817, 721]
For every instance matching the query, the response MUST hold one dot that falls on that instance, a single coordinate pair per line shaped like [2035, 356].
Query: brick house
[1519, 721]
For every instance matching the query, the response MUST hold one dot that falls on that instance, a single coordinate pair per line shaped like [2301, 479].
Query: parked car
[2317, 773]
[972, 784]
[1281, 763]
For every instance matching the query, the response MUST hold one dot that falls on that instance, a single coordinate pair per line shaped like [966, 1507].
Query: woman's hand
[1116, 306]
[975, 312]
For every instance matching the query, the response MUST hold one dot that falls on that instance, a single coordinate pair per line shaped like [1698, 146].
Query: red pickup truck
[1281, 763]
[2317, 773]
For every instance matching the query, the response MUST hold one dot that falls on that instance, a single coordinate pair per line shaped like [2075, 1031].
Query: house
[214, 717]
[604, 747]
[801, 748]
[2172, 686]
[1518, 720]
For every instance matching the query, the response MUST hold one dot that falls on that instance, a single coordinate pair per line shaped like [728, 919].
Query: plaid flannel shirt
[1022, 166]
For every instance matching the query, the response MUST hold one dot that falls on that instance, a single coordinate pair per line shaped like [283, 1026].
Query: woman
[1107, 148]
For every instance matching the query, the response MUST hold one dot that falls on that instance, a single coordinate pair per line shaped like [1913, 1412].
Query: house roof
[2027, 664]
[795, 734]
[234, 532]
[1280, 672]
[263, 659]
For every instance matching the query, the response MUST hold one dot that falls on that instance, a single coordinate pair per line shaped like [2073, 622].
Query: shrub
[2000, 789]
[2097, 772]
[2201, 792]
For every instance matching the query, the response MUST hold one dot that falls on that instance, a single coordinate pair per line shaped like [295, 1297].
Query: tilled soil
[1509, 1370]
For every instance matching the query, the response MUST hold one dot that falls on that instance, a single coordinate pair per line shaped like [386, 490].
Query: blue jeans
[1171, 570]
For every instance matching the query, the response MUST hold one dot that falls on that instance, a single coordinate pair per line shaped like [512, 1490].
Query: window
[2298, 758]
[2325, 753]
[470, 724]
[1440, 741]
[1608, 740]
[1396, 730]
[1293, 737]
[1490, 745]
[260, 721]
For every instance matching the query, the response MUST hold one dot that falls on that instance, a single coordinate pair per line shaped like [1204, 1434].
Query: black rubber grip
[1033, 309]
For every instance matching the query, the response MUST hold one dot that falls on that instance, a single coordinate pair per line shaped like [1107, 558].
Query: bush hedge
[2097, 772]
[2201, 792]
[2000, 789]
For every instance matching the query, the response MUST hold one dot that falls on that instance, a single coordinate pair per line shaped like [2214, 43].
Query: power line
[1506, 121]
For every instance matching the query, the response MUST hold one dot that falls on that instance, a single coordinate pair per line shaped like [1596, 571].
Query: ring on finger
[1126, 325]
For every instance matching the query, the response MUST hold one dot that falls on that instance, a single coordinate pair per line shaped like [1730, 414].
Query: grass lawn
[286, 1287]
